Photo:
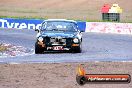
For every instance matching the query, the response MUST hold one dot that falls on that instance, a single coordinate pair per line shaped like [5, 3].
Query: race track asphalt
[96, 47]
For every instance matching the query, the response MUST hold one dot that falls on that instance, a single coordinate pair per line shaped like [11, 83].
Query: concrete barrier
[107, 27]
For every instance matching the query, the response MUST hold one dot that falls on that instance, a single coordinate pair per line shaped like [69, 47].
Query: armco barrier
[29, 23]
[101, 27]
[108, 27]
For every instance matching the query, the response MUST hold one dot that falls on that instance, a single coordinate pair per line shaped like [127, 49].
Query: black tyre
[38, 49]
[77, 49]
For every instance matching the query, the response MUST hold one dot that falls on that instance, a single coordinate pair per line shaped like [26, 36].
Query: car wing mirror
[37, 30]
[79, 31]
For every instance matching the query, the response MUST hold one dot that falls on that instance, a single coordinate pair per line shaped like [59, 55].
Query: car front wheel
[77, 49]
[38, 49]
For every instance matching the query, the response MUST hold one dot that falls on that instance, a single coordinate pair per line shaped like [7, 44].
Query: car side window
[43, 26]
[69, 27]
[72, 27]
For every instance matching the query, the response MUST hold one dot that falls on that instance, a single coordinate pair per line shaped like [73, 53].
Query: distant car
[58, 35]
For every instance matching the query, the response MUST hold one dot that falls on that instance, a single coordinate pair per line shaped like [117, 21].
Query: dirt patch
[79, 9]
[58, 75]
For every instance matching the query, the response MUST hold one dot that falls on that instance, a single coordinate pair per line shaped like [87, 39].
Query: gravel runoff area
[59, 75]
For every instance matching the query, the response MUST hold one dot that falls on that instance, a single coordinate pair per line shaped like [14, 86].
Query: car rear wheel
[38, 49]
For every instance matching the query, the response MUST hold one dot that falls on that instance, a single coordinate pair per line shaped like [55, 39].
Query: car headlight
[75, 40]
[40, 39]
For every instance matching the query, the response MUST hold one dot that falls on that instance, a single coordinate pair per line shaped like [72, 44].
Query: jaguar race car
[58, 35]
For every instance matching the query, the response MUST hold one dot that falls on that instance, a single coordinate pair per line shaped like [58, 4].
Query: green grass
[22, 17]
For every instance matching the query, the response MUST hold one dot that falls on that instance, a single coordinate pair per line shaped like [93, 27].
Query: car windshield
[59, 26]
